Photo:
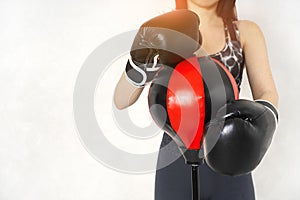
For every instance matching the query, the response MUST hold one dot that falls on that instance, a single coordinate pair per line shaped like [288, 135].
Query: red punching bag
[183, 99]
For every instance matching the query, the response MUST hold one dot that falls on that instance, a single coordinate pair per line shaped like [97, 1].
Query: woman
[236, 43]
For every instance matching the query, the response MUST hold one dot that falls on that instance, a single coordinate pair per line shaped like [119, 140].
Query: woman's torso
[231, 53]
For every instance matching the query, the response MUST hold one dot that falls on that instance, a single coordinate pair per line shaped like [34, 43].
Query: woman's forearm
[125, 93]
[269, 96]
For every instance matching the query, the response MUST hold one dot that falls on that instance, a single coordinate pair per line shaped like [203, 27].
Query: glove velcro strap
[140, 73]
[135, 74]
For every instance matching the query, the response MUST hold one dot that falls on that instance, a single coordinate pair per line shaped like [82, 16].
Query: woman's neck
[208, 15]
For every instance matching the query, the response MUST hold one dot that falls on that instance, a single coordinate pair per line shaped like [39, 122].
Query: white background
[42, 47]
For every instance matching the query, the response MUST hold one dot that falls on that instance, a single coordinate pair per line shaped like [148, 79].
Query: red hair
[181, 4]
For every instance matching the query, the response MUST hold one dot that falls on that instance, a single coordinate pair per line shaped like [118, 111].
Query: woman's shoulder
[248, 29]
[246, 25]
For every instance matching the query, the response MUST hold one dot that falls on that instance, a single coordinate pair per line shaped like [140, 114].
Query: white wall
[44, 45]
[276, 177]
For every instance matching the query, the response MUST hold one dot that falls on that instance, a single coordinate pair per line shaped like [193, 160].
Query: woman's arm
[125, 93]
[257, 63]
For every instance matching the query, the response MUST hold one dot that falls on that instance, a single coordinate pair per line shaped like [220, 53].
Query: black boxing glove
[164, 40]
[245, 130]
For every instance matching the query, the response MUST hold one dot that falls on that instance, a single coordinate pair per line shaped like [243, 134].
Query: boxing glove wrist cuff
[270, 106]
[138, 74]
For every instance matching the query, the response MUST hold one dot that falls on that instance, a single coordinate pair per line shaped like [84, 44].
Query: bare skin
[125, 93]
[212, 30]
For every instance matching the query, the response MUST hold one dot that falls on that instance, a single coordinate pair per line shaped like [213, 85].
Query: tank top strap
[236, 31]
[227, 37]
[231, 30]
